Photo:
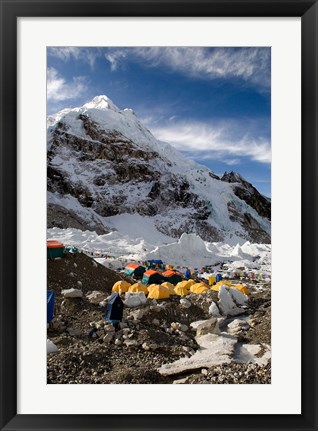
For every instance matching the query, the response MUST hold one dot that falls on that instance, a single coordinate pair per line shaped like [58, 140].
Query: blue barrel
[50, 305]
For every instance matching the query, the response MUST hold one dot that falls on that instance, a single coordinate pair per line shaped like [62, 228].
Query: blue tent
[114, 309]
[50, 305]
[152, 263]
[218, 277]
[188, 273]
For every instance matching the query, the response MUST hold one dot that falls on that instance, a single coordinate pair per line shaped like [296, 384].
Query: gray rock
[108, 337]
[214, 310]
[74, 332]
[210, 326]
[72, 293]
[185, 303]
[131, 343]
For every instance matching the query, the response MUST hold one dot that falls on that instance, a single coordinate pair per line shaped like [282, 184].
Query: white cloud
[219, 141]
[115, 57]
[249, 64]
[66, 53]
[59, 89]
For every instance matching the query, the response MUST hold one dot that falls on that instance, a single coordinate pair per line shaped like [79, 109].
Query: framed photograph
[158, 191]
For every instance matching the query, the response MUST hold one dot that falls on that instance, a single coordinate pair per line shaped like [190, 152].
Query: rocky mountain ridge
[102, 162]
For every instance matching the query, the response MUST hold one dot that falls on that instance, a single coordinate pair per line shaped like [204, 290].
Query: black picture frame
[10, 11]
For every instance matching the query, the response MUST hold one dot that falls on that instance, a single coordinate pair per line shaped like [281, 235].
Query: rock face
[248, 193]
[102, 162]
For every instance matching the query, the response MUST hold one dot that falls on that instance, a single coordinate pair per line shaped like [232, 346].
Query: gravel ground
[146, 339]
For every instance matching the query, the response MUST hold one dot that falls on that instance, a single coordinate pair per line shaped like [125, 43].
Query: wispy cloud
[66, 53]
[219, 141]
[115, 57]
[250, 64]
[59, 89]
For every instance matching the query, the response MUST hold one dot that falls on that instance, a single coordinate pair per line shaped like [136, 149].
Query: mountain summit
[102, 162]
[101, 102]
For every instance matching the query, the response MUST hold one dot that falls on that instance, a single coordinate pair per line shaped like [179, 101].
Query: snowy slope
[190, 250]
[104, 164]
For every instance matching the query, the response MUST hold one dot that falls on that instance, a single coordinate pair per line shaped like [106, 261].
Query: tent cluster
[166, 289]
[151, 276]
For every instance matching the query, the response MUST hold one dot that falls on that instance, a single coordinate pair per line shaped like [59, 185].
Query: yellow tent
[212, 280]
[138, 287]
[121, 285]
[181, 290]
[169, 286]
[217, 286]
[242, 289]
[159, 292]
[198, 288]
[151, 286]
[186, 283]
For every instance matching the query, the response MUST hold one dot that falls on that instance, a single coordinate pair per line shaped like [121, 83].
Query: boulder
[214, 310]
[185, 303]
[51, 347]
[210, 326]
[238, 297]
[226, 304]
[72, 293]
[140, 313]
[95, 297]
[237, 326]
[135, 299]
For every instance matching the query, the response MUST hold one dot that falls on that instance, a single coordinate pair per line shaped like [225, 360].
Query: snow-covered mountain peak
[103, 162]
[101, 102]
[232, 177]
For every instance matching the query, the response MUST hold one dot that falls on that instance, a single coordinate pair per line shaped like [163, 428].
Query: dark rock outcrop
[248, 193]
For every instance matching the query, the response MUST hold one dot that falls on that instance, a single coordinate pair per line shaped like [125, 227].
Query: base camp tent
[198, 288]
[152, 277]
[134, 270]
[242, 289]
[218, 277]
[181, 290]
[186, 283]
[168, 286]
[154, 263]
[121, 285]
[159, 292]
[172, 276]
[54, 249]
[212, 280]
[138, 287]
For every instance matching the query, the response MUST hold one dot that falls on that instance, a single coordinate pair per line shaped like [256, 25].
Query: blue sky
[212, 104]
